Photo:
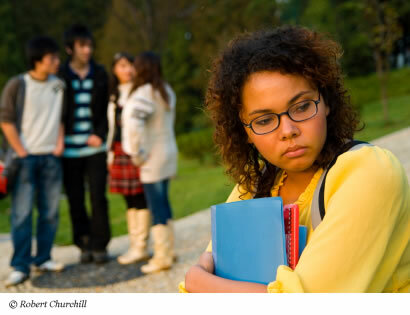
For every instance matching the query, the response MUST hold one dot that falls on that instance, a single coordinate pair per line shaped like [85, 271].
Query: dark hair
[38, 47]
[76, 32]
[148, 66]
[114, 80]
[289, 50]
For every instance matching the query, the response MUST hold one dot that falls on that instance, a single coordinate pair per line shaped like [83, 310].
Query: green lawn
[199, 186]
[375, 127]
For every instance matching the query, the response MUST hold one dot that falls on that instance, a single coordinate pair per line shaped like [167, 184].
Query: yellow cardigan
[362, 244]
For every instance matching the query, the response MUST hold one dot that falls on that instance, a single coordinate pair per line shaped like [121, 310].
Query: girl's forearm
[197, 280]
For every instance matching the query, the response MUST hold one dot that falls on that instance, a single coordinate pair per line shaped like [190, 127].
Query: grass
[372, 116]
[198, 186]
[365, 90]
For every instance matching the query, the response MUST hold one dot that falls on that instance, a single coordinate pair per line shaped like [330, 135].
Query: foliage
[198, 145]
[23, 19]
[366, 89]
[10, 55]
[384, 30]
[188, 34]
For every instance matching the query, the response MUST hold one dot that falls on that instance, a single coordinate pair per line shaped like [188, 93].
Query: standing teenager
[281, 115]
[30, 116]
[84, 159]
[152, 108]
[124, 174]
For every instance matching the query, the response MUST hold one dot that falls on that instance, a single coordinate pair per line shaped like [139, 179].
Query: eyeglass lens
[297, 112]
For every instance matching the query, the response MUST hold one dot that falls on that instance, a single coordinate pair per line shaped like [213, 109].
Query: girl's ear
[327, 110]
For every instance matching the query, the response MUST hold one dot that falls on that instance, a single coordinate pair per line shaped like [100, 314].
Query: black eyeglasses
[297, 112]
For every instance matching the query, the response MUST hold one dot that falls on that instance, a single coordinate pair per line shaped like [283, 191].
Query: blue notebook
[248, 239]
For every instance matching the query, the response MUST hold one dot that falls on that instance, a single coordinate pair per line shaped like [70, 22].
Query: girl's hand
[200, 278]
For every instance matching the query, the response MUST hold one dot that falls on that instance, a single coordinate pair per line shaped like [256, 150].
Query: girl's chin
[298, 167]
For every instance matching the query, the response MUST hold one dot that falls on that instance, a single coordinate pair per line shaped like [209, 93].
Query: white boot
[138, 222]
[172, 240]
[162, 255]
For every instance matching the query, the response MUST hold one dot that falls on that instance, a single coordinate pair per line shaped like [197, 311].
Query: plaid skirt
[124, 175]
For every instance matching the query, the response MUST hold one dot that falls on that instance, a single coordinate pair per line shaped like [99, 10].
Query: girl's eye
[303, 107]
[264, 121]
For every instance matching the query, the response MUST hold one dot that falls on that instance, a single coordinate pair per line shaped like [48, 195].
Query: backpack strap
[318, 201]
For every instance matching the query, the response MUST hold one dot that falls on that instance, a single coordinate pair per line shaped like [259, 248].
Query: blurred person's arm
[94, 141]
[58, 151]
[10, 131]
[8, 115]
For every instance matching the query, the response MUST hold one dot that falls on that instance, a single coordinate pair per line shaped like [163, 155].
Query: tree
[187, 34]
[381, 23]
[10, 55]
[21, 20]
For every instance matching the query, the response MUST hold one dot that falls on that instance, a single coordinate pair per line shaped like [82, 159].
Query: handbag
[8, 173]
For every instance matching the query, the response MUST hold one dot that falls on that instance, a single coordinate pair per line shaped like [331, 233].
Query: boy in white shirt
[30, 117]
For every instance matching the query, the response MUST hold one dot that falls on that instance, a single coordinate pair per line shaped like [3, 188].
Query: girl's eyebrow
[290, 102]
[293, 99]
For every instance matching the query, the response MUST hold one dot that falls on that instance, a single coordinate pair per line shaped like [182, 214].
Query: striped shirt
[76, 142]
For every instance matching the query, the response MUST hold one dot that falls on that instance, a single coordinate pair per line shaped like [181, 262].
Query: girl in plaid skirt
[124, 175]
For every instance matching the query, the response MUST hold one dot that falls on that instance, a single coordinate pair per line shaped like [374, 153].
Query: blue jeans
[38, 179]
[157, 198]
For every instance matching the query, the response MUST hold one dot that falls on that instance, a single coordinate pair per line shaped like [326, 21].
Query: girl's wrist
[204, 268]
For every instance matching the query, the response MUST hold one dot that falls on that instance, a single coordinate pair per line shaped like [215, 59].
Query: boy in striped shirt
[84, 158]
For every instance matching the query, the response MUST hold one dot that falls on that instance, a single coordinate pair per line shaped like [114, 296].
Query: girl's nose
[288, 129]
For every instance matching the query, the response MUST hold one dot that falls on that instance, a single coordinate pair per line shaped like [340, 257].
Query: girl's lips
[292, 153]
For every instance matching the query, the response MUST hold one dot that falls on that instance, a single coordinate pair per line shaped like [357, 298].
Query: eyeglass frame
[281, 114]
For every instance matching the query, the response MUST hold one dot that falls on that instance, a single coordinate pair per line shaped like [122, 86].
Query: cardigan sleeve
[364, 233]
[137, 110]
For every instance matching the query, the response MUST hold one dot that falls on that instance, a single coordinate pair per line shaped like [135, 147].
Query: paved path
[192, 236]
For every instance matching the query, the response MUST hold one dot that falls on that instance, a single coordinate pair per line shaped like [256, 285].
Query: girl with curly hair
[281, 115]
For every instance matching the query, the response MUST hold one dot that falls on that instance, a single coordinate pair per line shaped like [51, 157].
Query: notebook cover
[291, 218]
[248, 239]
[302, 238]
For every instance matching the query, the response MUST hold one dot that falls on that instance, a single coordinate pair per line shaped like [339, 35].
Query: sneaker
[100, 257]
[15, 278]
[51, 265]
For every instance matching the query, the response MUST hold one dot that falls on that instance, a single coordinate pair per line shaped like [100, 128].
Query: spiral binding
[288, 237]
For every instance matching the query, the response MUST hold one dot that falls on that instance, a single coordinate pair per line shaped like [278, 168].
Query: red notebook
[291, 217]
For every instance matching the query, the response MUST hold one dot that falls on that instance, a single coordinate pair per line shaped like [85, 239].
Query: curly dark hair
[289, 50]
